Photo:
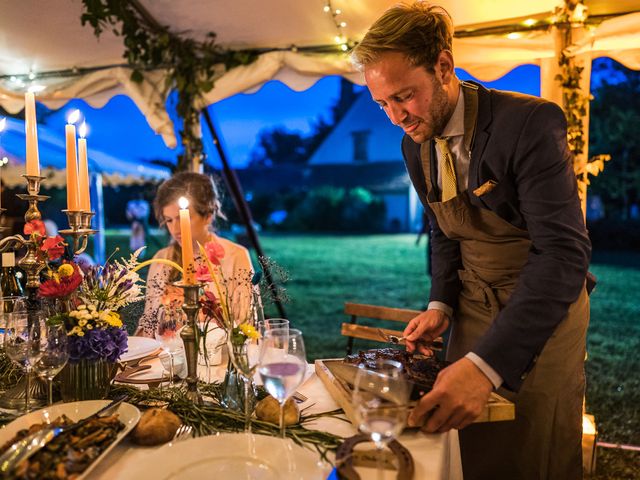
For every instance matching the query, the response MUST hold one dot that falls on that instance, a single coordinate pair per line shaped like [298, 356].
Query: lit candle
[3, 123]
[83, 170]
[188, 265]
[72, 162]
[31, 131]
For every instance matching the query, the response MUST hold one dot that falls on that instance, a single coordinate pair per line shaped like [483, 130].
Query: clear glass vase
[233, 387]
[86, 380]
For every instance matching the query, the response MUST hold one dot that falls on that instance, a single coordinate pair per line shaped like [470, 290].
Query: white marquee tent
[42, 37]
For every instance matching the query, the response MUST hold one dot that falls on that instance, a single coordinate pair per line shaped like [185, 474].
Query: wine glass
[55, 356]
[381, 398]
[283, 364]
[245, 358]
[271, 323]
[170, 322]
[23, 343]
[8, 305]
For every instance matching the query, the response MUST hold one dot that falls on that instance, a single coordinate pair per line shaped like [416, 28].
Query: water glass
[271, 323]
[245, 358]
[282, 365]
[54, 357]
[380, 399]
[24, 343]
[170, 323]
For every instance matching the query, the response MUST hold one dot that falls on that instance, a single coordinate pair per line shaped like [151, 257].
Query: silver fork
[184, 431]
[436, 344]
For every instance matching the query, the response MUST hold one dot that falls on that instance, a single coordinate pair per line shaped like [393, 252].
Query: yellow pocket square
[485, 188]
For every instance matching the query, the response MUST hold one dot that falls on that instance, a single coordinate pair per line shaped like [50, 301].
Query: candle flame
[73, 117]
[183, 202]
[3, 123]
[83, 129]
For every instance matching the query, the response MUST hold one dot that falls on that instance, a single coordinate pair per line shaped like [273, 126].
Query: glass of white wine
[380, 400]
[283, 364]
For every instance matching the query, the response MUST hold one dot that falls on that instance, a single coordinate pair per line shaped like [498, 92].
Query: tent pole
[97, 200]
[243, 209]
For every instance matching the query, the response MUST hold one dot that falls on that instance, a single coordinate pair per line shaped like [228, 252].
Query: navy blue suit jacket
[521, 144]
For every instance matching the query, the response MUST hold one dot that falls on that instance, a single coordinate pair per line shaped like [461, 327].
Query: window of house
[361, 145]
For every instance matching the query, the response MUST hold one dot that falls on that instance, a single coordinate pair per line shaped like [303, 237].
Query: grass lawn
[326, 271]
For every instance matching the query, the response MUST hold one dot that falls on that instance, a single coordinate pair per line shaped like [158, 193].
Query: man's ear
[445, 67]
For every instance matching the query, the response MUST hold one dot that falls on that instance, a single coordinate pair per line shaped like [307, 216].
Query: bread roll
[156, 426]
[268, 409]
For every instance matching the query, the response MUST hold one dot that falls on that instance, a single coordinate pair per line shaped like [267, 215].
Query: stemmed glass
[283, 364]
[170, 322]
[270, 324]
[24, 344]
[381, 398]
[55, 356]
[245, 358]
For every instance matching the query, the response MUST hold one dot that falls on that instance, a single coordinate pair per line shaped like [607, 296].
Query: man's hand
[426, 327]
[459, 395]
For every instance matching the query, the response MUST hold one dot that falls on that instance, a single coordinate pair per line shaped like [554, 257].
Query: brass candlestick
[79, 229]
[191, 306]
[32, 264]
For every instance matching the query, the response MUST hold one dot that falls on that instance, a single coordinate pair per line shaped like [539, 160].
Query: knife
[28, 446]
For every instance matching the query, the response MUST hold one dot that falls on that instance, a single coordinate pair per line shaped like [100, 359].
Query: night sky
[121, 130]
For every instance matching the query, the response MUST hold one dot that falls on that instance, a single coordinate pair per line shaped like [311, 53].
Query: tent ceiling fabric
[30, 43]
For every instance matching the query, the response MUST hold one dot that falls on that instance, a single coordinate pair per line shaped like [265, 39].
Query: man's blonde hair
[418, 30]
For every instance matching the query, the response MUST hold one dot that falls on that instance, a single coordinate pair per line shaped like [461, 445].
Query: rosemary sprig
[212, 418]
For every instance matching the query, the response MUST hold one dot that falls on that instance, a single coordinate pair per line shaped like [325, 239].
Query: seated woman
[204, 208]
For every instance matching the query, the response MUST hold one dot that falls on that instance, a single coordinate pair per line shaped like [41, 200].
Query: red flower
[203, 274]
[211, 308]
[214, 252]
[61, 285]
[53, 246]
[35, 226]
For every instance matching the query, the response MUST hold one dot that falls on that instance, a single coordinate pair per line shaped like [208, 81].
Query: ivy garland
[575, 105]
[190, 64]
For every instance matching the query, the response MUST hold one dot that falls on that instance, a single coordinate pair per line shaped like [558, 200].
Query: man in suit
[510, 251]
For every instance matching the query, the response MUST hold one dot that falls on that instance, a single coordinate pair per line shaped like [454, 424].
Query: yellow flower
[249, 331]
[82, 322]
[65, 270]
[89, 326]
[111, 318]
[76, 331]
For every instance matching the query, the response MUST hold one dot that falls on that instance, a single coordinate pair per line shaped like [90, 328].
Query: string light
[339, 39]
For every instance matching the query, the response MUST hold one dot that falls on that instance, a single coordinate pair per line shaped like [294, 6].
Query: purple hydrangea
[97, 344]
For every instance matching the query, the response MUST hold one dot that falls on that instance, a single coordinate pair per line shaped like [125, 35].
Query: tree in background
[615, 116]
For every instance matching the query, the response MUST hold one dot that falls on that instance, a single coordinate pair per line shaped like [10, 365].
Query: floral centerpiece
[233, 304]
[87, 300]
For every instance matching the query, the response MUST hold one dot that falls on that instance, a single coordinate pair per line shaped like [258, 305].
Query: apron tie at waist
[490, 299]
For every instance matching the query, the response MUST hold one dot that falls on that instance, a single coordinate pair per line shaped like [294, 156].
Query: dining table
[435, 456]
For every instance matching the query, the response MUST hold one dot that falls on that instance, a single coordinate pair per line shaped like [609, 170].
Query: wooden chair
[353, 330]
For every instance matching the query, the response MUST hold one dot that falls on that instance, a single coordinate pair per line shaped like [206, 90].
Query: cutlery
[437, 344]
[299, 397]
[183, 432]
[28, 446]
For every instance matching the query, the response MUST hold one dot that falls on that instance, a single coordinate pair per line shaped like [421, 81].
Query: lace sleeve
[157, 281]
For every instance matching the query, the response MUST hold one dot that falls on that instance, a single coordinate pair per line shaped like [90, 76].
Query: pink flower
[203, 274]
[211, 308]
[214, 252]
[35, 226]
[53, 246]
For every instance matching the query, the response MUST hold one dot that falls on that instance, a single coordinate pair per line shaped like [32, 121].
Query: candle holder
[31, 264]
[191, 306]
[79, 229]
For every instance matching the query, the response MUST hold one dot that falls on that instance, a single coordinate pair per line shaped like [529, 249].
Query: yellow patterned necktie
[449, 183]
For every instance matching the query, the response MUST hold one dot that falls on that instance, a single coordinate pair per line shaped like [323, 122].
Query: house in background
[363, 149]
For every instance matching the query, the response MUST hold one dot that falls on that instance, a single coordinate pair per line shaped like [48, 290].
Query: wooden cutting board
[498, 409]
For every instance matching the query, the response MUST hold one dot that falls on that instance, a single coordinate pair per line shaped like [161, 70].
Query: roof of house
[383, 142]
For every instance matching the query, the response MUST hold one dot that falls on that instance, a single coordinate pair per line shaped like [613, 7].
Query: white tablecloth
[436, 456]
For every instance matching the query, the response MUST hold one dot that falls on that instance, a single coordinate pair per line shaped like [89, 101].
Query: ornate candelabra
[32, 263]
[191, 306]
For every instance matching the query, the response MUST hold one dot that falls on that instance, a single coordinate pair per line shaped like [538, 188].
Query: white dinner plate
[231, 456]
[139, 347]
[128, 414]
